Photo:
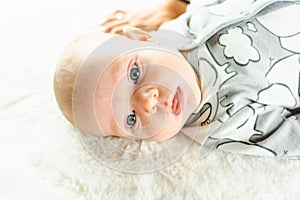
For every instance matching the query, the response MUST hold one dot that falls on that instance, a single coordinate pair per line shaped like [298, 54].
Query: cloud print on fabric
[238, 46]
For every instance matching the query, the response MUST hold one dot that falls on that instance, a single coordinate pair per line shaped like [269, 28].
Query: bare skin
[152, 98]
[148, 18]
[162, 96]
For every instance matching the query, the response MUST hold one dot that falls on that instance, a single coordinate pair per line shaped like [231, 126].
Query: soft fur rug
[41, 155]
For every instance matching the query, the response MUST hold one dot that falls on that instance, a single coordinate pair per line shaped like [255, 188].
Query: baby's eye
[131, 119]
[134, 74]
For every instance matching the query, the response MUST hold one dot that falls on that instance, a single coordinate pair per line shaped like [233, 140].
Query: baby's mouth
[177, 102]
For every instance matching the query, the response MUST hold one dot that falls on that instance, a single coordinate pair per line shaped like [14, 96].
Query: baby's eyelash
[134, 74]
[131, 119]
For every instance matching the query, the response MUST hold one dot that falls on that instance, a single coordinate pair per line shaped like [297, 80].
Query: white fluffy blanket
[42, 158]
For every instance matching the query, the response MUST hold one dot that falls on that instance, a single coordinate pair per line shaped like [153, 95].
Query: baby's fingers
[115, 26]
[117, 30]
[116, 15]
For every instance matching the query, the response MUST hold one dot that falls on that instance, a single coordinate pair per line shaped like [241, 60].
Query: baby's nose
[147, 99]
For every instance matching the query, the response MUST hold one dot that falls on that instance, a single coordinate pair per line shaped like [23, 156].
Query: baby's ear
[137, 34]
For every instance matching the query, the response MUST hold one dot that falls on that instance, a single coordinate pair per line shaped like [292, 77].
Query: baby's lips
[170, 103]
[178, 101]
[175, 102]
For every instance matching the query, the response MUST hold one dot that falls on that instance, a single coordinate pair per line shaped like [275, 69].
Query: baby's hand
[149, 19]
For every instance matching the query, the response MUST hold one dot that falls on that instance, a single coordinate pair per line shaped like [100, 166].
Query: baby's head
[109, 85]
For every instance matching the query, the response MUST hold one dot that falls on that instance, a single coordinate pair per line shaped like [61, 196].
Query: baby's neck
[184, 53]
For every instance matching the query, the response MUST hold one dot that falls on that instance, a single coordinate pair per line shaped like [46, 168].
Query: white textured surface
[40, 157]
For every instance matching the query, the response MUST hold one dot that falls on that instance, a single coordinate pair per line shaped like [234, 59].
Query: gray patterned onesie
[250, 72]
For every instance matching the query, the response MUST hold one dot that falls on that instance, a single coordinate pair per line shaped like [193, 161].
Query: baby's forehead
[111, 50]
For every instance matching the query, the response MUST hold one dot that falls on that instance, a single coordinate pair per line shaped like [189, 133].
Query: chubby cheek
[172, 126]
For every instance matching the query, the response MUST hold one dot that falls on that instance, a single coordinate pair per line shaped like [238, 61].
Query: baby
[229, 81]
[140, 90]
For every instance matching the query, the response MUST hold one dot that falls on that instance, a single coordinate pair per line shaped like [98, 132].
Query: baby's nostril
[155, 93]
[152, 92]
[153, 110]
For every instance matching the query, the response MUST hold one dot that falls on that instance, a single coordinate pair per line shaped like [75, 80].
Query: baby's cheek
[172, 126]
[105, 119]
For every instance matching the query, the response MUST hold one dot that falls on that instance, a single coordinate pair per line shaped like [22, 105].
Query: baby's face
[146, 94]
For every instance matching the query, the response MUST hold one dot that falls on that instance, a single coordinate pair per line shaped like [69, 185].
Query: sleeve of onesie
[264, 131]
